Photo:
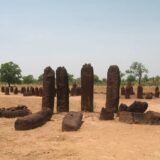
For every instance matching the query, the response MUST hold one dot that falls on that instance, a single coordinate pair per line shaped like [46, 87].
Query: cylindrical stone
[157, 92]
[140, 92]
[87, 87]
[7, 91]
[48, 89]
[113, 86]
[123, 91]
[62, 90]
[127, 92]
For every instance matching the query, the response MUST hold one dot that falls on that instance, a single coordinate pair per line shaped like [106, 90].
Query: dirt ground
[96, 140]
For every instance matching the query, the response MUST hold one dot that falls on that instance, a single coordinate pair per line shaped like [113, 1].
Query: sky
[38, 33]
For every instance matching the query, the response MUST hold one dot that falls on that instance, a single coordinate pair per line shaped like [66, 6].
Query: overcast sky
[39, 33]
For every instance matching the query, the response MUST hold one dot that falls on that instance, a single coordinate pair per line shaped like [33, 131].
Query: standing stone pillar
[112, 97]
[40, 90]
[127, 94]
[157, 92]
[48, 89]
[87, 87]
[62, 90]
[7, 91]
[140, 92]
[15, 90]
[123, 91]
[113, 86]
[2, 89]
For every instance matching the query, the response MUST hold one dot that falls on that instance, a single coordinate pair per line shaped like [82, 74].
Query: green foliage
[137, 70]
[28, 79]
[40, 78]
[131, 79]
[96, 79]
[10, 73]
[71, 78]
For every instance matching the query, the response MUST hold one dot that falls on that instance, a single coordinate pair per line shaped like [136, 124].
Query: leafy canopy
[137, 69]
[10, 73]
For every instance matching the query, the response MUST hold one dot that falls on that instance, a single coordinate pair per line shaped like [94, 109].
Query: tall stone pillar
[87, 87]
[62, 90]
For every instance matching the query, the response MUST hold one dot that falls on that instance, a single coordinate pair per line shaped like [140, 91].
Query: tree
[28, 79]
[96, 79]
[71, 78]
[10, 73]
[130, 79]
[145, 79]
[40, 78]
[137, 69]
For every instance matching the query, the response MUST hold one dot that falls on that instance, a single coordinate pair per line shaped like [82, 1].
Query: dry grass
[96, 140]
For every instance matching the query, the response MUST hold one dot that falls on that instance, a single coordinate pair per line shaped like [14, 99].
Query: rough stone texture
[126, 117]
[127, 93]
[7, 91]
[123, 107]
[11, 89]
[27, 94]
[32, 91]
[33, 120]
[140, 92]
[12, 112]
[149, 96]
[157, 92]
[87, 85]
[2, 89]
[75, 90]
[131, 90]
[23, 90]
[72, 121]
[40, 91]
[15, 90]
[113, 86]
[36, 91]
[123, 91]
[131, 117]
[137, 106]
[139, 118]
[48, 88]
[152, 117]
[62, 90]
[106, 114]
[28, 90]
[78, 91]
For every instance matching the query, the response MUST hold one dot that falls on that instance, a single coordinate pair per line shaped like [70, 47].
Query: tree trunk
[9, 84]
[139, 81]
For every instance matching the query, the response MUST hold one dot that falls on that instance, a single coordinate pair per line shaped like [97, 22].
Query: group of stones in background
[128, 91]
[26, 91]
[75, 90]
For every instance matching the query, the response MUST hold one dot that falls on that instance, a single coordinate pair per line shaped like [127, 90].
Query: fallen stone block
[107, 114]
[123, 107]
[138, 106]
[152, 117]
[149, 96]
[33, 120]
[12, 112]
[139, 118]
[72, 121]
[126, 117]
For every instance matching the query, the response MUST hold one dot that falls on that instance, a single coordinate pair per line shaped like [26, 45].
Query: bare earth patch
[96, 140]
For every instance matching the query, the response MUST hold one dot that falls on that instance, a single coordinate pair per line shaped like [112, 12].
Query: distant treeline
[137, 73]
